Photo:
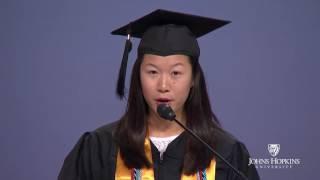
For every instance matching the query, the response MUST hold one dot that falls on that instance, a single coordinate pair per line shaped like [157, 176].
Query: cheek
[147, 88]
[183, 91]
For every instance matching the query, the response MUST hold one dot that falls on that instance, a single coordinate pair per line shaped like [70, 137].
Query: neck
[159, 127]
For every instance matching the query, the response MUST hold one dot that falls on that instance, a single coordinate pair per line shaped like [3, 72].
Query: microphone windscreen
[166, 112]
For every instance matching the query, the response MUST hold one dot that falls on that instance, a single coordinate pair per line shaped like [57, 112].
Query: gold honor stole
[124, 173]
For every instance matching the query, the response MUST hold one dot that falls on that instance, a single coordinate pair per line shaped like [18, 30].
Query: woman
[142, 145]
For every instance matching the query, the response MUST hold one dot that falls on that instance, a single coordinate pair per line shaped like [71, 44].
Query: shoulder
[226, 143]
[100, 136]
[231, 148]
[93, 151]
[235, 152]
[98, 140]
[107, 129]
[103, 137]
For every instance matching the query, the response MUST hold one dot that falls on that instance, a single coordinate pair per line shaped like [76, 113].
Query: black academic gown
[94, 158]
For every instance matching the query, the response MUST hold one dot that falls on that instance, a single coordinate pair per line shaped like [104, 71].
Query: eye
[152, 72]
[176, 73]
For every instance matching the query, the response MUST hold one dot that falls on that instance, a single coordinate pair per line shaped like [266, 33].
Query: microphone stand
[211, 149]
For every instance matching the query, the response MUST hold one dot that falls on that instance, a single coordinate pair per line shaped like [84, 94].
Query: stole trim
[124, 173]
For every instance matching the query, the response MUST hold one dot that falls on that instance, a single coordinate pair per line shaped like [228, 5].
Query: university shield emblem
[274, 149]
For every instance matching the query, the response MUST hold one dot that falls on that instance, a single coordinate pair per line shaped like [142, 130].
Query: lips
[163, 100]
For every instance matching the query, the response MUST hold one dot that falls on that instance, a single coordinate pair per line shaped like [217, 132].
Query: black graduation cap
[165, 33]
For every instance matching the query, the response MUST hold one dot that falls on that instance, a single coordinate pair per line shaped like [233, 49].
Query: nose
[164, 84]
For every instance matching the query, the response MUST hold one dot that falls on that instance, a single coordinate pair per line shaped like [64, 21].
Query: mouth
[163, 100]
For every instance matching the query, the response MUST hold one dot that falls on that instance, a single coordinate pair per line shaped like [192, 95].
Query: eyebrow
[149, 64]
[177, 64]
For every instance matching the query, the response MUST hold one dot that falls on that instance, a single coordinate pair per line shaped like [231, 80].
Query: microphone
[166, 112]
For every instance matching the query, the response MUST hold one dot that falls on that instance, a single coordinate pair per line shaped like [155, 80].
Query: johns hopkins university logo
[273, 162]
[274, 149]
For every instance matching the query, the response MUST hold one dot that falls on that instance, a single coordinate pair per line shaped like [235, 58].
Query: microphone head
[166, 112]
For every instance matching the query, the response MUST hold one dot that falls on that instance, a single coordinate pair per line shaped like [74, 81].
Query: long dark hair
[132, 128]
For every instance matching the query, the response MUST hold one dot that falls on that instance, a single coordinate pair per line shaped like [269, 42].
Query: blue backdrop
[59, 67]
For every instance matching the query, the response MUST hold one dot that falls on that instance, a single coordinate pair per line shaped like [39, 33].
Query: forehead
[172, 60]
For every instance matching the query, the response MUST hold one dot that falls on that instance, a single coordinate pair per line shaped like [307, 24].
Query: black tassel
[123, 69]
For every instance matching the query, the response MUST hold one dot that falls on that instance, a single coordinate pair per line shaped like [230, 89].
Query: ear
[192, 83]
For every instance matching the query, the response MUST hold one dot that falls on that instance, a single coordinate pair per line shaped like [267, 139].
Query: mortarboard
[164, 33]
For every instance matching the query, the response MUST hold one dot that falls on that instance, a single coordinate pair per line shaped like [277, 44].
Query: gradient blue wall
[59, 64]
